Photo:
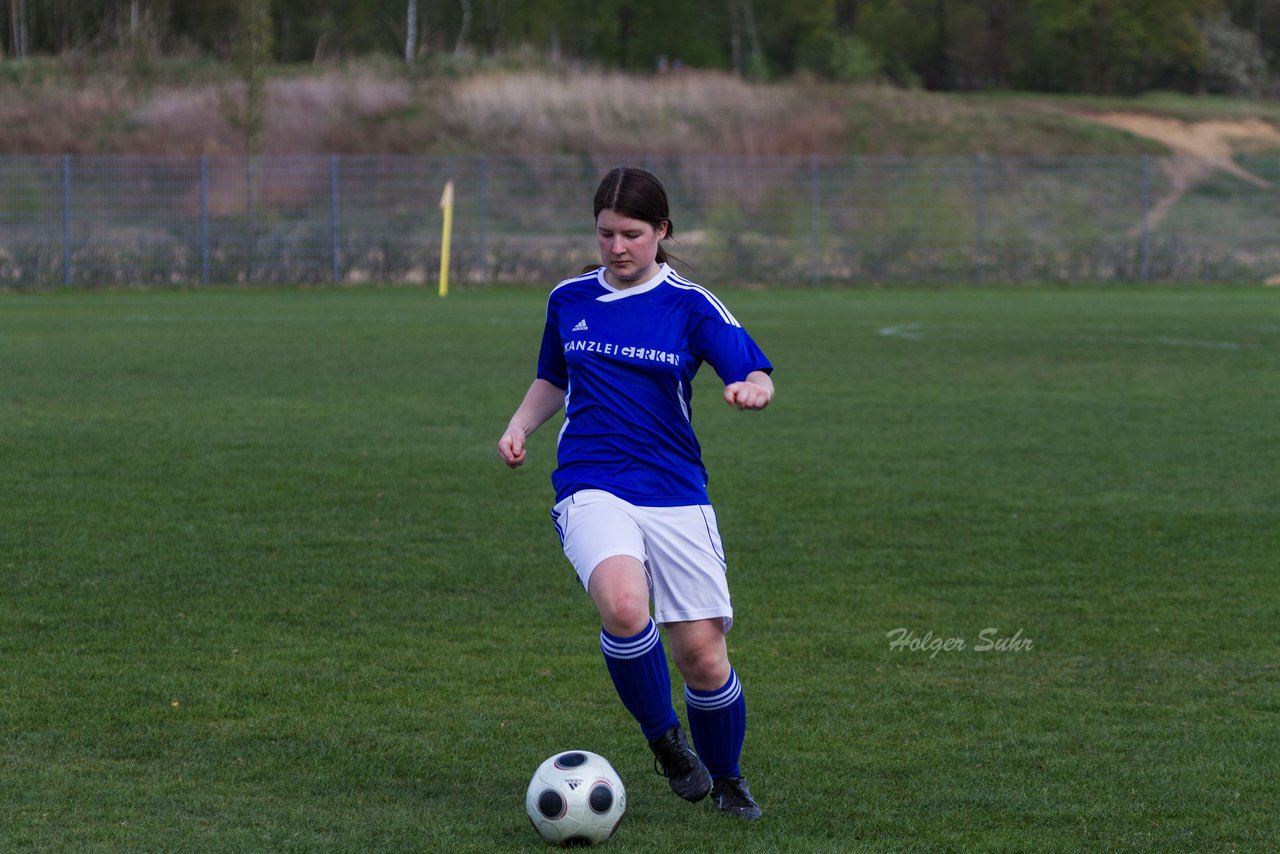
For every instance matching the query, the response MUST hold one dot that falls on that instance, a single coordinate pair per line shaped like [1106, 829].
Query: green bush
[841, 58]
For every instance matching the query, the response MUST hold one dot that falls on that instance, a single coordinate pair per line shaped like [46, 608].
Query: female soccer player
[621, 345]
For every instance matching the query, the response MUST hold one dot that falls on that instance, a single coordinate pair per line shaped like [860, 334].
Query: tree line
[1087, 46]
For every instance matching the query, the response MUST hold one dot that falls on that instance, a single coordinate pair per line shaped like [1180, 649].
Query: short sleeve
[551, 363]
[723, 344]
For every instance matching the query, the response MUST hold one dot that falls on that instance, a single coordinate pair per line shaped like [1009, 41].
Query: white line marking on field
[909, 331]
[915, 332]
[1208, 345]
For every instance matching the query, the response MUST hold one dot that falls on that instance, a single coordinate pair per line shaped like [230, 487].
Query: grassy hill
[82, 107]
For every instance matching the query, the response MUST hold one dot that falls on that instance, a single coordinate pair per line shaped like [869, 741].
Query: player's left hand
[747, 395]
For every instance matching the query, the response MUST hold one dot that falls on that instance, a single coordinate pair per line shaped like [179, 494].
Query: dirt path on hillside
[1199, 149]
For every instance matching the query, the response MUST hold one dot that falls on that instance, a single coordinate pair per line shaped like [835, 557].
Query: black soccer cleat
[675, 760]
[733, 798]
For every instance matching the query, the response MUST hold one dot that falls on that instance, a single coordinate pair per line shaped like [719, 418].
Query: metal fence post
[204, 219]
[483, 203]
[66, 219]
[815, 201]
[333, 214]
[1146, 210]
[253, 237]
[981, 226]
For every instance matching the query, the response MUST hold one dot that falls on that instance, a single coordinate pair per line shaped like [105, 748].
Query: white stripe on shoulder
[677, 281]
[588, 276]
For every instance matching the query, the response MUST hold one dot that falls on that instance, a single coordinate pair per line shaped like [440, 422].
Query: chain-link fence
[90, 221]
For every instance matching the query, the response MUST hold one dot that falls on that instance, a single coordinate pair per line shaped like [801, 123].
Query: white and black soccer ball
[575, 799]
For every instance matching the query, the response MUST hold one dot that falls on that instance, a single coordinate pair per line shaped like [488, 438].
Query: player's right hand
[511, 447]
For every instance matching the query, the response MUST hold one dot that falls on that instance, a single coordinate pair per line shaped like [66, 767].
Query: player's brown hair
[638, 194]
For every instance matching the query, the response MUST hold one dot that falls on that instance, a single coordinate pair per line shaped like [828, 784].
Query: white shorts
[679, 546]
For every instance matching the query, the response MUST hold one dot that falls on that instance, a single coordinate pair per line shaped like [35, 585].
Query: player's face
[628, 247]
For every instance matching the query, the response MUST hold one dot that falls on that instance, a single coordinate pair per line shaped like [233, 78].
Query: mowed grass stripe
[265, 585]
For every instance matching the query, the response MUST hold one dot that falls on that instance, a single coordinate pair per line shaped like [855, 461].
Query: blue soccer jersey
[626, 359]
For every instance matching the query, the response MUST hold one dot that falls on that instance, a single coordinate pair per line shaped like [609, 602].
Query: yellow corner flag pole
[446, 205]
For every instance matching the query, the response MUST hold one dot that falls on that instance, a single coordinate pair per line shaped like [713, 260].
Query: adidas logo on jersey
[582, 326]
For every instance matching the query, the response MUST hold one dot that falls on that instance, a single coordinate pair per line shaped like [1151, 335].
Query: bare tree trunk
[942, 47]
[411, 38]
[756, 60]
[735, 38]
[749, 60]
[846, 15]
[624, 34]
[133, 19]
[465, 30]
[18, 27]
[997, 65]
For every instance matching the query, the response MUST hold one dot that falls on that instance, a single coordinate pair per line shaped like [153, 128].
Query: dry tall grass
[367, 111]
[311, 114]
[672, 114]
[376, 109]
[50, 116]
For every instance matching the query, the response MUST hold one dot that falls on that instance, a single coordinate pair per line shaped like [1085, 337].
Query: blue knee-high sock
[638, 665]
[718, 724]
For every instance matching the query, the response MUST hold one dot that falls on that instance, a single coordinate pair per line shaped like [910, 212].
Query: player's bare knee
[624, 614]
[704, 668]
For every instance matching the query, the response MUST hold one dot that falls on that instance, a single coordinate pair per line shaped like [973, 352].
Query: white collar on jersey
[644, 287]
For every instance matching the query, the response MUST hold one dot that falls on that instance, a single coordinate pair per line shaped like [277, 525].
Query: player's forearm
[541, 401]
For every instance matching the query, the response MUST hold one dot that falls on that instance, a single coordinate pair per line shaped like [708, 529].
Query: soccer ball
[575, 799]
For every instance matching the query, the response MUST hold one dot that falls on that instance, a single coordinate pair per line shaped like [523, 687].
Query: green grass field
[264, 585]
